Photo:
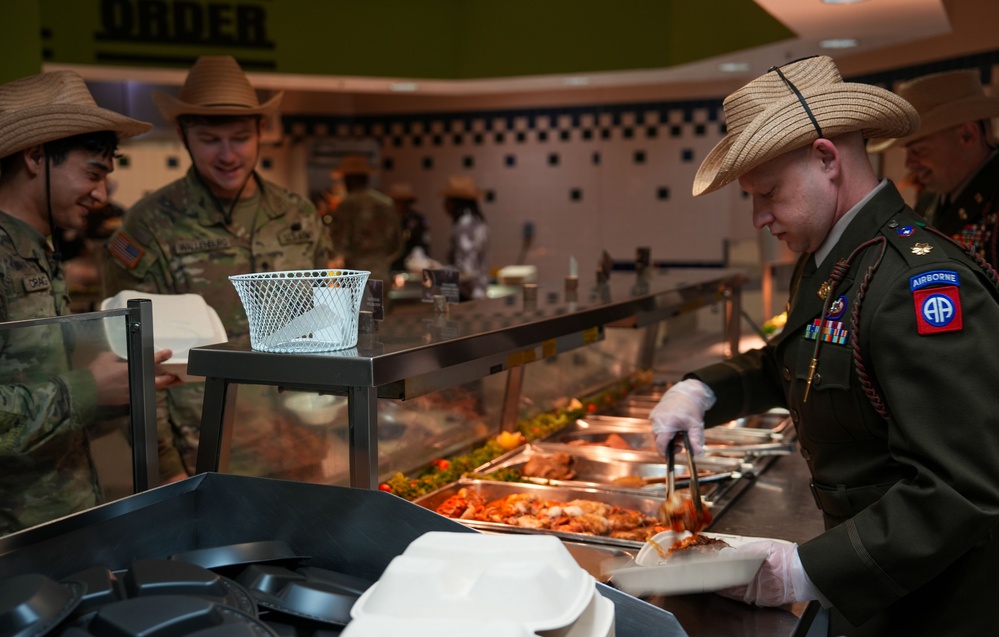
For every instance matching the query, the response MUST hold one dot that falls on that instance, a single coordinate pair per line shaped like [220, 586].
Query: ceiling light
[576, 81]
[733, 67]
[839, 43]
[403, 87]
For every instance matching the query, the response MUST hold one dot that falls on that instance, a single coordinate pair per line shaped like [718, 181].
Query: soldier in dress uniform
[222, 218]
[885, 365]
[953, 156]
[57, 148]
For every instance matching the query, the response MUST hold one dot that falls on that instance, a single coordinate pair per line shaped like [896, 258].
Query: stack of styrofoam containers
[448, 584]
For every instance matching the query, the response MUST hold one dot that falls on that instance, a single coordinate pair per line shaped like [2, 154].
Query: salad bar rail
[413, 354]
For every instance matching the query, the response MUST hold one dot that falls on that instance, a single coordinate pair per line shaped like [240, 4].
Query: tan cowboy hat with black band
[942, 100]
[50, 106]
[792, 106]
[461, 187]
[215, 85]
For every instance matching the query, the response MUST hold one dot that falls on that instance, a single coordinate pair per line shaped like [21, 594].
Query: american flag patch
[828, 331]
[124, 250]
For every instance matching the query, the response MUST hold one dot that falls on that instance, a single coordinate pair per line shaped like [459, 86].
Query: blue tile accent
[639, 157]
[662, 193]
[428, 163]
[687, 155]
[576, 194]
[468, 161]
[595, 159]
[172, 162]
[510, 161]
[553, 159]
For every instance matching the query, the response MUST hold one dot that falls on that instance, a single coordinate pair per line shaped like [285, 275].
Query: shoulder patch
[938, 309]
[934, 277]
[125, 250]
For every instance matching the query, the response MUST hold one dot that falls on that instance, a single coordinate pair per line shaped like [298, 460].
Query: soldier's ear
[34, 159]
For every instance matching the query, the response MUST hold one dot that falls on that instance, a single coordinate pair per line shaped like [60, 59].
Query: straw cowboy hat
[44, 108]
[402, 192]
[461, 187]
[942, 100]
[215, 85]
[791, 107]
[355, 165]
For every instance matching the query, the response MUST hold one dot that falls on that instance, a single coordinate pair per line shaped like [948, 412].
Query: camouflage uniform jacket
[176, 241]
[366, 231]
[45, 466]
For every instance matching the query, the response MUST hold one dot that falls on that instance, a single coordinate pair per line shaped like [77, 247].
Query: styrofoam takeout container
[180, 322]
[462, 575]
[649, 574]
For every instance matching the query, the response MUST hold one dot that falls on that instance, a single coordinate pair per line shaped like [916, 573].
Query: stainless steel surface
[605, 472]
[416, 354]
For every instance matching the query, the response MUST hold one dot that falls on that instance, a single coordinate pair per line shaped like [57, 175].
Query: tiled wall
[589, 177]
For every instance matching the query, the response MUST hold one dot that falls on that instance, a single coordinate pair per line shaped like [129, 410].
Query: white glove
[780, 580]
[682, 408]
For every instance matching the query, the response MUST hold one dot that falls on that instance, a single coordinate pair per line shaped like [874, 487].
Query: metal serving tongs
[674, 511]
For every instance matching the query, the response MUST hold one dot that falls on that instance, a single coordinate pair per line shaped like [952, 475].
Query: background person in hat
[365, 227]
[469, 251]
[953, 155]
[415, 229]
[885, 364]
[220, 219]
[57, 148]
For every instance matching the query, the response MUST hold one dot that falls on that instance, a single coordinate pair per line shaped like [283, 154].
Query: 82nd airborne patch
[937, 299]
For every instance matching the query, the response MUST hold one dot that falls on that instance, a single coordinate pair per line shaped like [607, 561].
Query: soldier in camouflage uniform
[365, 228]
[953, 156]
[56, 150]
[220, 219]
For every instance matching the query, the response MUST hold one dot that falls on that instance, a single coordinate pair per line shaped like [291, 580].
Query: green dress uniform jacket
[176, 241]
[910, 495]
[973, 217]
[45, 465]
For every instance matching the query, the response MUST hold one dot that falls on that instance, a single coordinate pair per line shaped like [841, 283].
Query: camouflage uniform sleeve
[136, 261]
[29, 415]
[340, 227]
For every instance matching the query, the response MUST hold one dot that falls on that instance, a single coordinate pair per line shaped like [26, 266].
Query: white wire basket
[302, 310]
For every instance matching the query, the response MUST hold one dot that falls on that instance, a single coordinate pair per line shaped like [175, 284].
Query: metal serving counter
[412, 354]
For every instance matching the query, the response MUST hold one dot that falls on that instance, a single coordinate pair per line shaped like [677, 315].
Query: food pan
[490, 490]
[626, 439]
[589, 470]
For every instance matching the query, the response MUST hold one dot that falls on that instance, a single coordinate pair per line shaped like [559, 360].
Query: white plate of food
[684, 563]
[180, 322]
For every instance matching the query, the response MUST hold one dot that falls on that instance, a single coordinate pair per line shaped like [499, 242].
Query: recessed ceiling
[873, 24]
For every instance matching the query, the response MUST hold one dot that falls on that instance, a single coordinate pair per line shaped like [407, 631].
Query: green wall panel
[431, 39]
[21, 34]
